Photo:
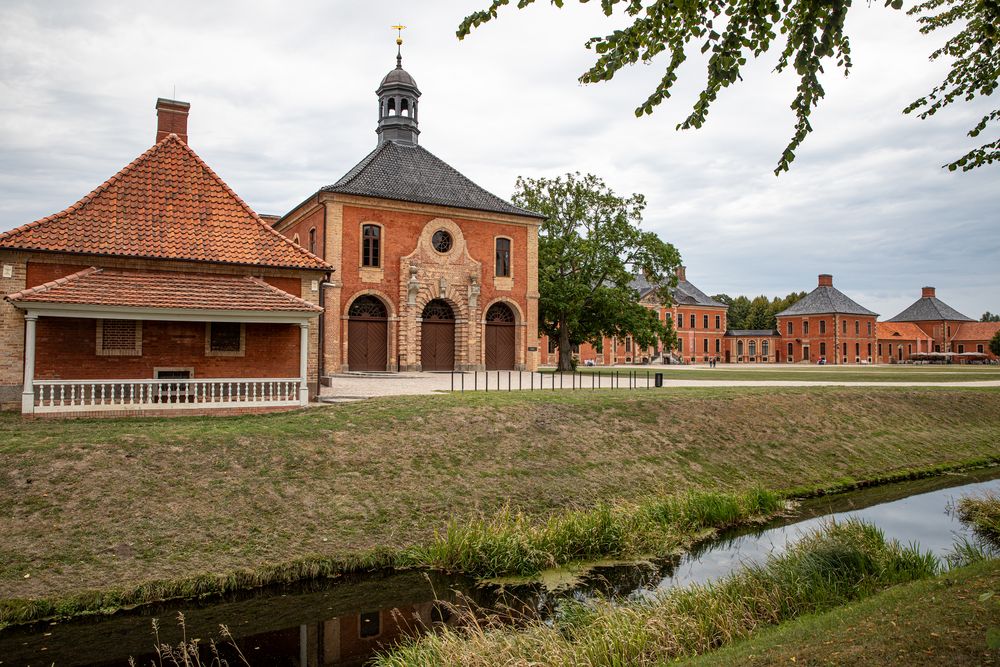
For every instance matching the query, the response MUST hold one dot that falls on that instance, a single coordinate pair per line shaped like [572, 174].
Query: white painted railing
[173, 394]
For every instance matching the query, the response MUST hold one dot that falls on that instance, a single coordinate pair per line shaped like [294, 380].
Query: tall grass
[835, 565]
[983, 514]
[510, 542]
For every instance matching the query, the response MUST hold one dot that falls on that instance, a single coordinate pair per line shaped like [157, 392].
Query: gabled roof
[166, 204]
[167, 290]
[929, 308]
[413, 174]
[823, 300]
[977, 331]
[685, 294]
[904, 330]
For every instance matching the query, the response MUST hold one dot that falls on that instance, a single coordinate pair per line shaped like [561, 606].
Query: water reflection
[343, 621]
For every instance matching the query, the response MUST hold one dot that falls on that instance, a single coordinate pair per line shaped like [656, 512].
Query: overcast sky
[282, 102]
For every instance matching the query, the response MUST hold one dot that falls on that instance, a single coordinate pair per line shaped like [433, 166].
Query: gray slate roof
[929, 308]
[685, 294]
[823, 300]
[413, 174]
[752, 332]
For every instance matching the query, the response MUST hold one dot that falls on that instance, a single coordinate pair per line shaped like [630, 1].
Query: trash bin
[659, 379]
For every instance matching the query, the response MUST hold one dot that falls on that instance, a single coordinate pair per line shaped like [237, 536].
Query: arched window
[312, 240]
[739, 348]
[392, 106]
[368, 307]
[764, 348]
[752, 347]
[371, 245]
[500, 312]
[404, 108]
[503, 258]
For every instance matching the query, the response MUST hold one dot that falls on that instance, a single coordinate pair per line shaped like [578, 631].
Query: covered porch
[110, 342]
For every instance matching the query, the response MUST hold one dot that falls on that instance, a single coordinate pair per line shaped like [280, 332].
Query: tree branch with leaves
[811, 36]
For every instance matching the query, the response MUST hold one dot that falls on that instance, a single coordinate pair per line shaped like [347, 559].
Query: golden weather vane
[399, 33]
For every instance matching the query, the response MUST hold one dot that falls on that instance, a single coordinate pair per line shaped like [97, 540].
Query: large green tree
[811, 37]
[590, 248]
[756, 314]
[995, 344]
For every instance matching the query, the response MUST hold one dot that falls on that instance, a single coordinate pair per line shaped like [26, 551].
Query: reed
[509, 542]
[835, 565]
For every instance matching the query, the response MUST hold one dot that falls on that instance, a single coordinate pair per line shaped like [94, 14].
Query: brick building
[940, 328]
[161, 289]
[431, 271]
[752, 346]
[827, 325]
[899, 341]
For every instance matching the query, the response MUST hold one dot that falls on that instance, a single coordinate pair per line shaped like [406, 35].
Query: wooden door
[437, 337]
[367, 335]
[499, 345]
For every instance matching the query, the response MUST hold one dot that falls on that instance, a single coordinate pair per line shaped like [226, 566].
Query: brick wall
[66, 349]
[11, 331]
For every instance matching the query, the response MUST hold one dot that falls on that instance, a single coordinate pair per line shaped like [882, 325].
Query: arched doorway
[367, 335]
[437, 337]
[499, 338]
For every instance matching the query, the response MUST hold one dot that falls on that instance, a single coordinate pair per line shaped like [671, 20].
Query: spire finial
[399, 45]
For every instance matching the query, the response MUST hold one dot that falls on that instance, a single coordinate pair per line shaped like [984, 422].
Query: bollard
[659, 379]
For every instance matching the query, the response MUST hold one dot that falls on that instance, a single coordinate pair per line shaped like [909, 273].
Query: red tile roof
[145, 289]
[166, 204]
[977, 330]
[904, 330]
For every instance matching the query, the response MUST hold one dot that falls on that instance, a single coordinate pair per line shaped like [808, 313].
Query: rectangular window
[857, 328]
[628, 344]
[693, 320]
[119, 338]
[680, 320]
[225, 339]
[979, 348]
[822, 327]
[718, 322]
[680, 345]
[371, 245]
[822, 349]
[790, 349]
[552, 345]
[880, 349]
[706, 345]
[961, 349]
[805, 327]
[503, 258]
[790, 328]
[869, 329]
[857, 349]
[704, 322]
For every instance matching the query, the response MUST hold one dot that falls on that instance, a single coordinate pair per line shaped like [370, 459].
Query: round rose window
[441, 241]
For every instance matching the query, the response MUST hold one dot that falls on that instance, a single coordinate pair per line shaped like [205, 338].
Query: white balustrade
[172, 394]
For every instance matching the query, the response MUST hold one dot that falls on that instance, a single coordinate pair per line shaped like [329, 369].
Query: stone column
[28, 393]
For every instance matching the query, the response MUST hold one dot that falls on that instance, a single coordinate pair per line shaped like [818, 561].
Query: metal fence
[553, 381]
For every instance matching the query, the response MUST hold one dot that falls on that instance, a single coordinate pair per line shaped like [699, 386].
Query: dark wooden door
[437, 337]
[499, 347]
[366, 345]
[367, 335]
[437, 346]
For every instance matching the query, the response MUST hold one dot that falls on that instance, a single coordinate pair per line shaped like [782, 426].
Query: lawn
[938, 621]
[97, 504]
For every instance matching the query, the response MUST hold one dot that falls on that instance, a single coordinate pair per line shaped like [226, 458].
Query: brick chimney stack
[171, 118]
[927, 293]
[681, 273]
[825, 280]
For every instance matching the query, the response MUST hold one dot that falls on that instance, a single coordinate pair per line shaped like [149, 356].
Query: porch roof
[98, 292]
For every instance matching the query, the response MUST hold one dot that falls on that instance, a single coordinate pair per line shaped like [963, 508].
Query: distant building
[941, 329]
[827, 325]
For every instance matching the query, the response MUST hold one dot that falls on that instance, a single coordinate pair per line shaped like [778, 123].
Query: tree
[590, 248]
[760, 315]
[812, 35]
[995, 344]
[989, 317]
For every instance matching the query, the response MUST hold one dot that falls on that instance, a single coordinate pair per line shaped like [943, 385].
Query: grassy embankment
[842, 597]
[109, 513]
[795, 373]
[839, 564]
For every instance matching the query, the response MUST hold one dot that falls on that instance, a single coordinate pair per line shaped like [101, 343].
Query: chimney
[927, 293]
[825, 280]
[171, 118]
[681, 273]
